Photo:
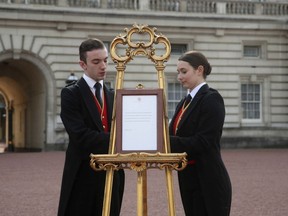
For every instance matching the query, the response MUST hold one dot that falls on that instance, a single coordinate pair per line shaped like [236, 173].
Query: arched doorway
[24, 86]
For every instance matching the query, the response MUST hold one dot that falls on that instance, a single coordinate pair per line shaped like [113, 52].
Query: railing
[275, 9]
[201, 6]
[164, 5]
[240, 8]
[31, 2]
[124, 4]
[243, 7]
[84, 3]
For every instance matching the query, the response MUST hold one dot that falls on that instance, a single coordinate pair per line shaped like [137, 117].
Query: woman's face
[188, 76]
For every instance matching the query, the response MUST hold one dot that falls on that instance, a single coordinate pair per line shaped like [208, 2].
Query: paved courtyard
[30, 184]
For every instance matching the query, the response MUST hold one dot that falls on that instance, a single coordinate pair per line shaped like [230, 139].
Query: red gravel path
[30, 184]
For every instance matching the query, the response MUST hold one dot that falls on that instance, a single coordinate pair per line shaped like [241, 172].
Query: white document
[139, 123]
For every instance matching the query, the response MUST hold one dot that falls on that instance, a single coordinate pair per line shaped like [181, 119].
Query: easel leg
[144, 189]
[108, 192]
[142, 193]
[170, 191]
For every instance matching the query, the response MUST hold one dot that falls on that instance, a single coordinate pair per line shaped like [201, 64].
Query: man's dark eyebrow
[97, 59]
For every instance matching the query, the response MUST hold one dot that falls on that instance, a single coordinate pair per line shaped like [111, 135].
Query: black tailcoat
[86, 135]
[199, 133]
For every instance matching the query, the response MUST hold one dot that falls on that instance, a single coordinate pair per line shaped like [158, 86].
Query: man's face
[96, 64]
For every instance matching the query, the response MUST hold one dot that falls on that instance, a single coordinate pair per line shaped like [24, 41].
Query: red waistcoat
[103, 113]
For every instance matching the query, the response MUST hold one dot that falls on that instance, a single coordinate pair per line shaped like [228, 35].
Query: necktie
[187, 100]
[98, 92]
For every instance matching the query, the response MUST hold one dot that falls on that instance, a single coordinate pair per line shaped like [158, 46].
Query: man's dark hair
[89, 45]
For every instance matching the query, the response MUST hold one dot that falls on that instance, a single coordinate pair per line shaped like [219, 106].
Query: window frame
[179, 44]
[184, 41]
[260, 102]
[257, 47]
[262, 49]
[183, 93]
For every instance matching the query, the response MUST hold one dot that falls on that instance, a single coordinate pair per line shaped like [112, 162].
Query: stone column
[183, 6]
[221, 7]
[104, 4]
[144, 5]
[63, 3]
[258, 9]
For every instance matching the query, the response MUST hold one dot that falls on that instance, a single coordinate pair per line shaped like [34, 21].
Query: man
[87, 120]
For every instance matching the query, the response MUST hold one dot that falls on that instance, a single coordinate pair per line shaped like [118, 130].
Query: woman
[196, 129]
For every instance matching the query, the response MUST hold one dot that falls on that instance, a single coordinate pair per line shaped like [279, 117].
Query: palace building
[246, 43]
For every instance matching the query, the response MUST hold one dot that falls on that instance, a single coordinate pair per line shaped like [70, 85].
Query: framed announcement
[139, 120]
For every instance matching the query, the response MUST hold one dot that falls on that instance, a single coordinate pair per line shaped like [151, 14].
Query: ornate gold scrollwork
[138, 161]
[140, 47]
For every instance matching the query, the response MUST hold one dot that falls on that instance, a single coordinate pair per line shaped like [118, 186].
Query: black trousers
[87, 195]
[191, 195]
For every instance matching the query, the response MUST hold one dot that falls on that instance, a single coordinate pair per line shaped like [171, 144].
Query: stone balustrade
[186, 6]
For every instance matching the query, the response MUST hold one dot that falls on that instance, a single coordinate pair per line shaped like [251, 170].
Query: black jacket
[86, 135]
[199, 133]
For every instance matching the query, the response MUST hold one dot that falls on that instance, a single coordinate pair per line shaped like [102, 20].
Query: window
[175, 93]
[251, 101]
[252, 51]
[178, 49]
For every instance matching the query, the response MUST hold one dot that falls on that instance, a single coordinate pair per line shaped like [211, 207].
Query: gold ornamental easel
[139, 161]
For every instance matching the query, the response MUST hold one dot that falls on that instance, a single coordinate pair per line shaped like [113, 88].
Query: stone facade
[39, 49]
